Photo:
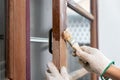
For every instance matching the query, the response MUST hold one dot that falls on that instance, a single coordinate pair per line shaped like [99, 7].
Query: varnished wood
[28, 71]
[59, 47]
[17, 36]
[77, 8]
[94, 30]
[16, 40]
[59, 25]
[7, 40]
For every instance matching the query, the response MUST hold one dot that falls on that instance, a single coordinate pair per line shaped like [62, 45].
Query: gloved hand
[53, 73]
[92, 59]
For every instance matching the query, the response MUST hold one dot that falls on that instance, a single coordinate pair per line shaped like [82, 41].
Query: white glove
[53, 73]
[92, 59]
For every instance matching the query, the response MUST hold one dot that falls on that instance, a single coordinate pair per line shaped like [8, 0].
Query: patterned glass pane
[79, 27]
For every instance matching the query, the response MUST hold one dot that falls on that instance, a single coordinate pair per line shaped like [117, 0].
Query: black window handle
[1, 36]
[50, 41]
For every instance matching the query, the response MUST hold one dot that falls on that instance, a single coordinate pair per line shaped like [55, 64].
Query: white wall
[109, 29]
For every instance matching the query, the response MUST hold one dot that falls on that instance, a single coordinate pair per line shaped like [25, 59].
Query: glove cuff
[112, 62]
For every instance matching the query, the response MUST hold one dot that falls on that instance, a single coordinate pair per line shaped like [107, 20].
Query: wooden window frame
[18, 34]
[17, 40]
[59, 25]
[94, 29]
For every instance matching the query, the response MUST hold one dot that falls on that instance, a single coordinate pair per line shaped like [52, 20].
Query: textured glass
[79, 27]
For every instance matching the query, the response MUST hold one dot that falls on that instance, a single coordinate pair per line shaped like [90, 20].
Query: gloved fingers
[64, 73]
[81, 62]
[74, 53]
[53, 70]
[76, 48]
[87, 49]
[48, 75]
[78, 74]
[84, 63]
[83, 55]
